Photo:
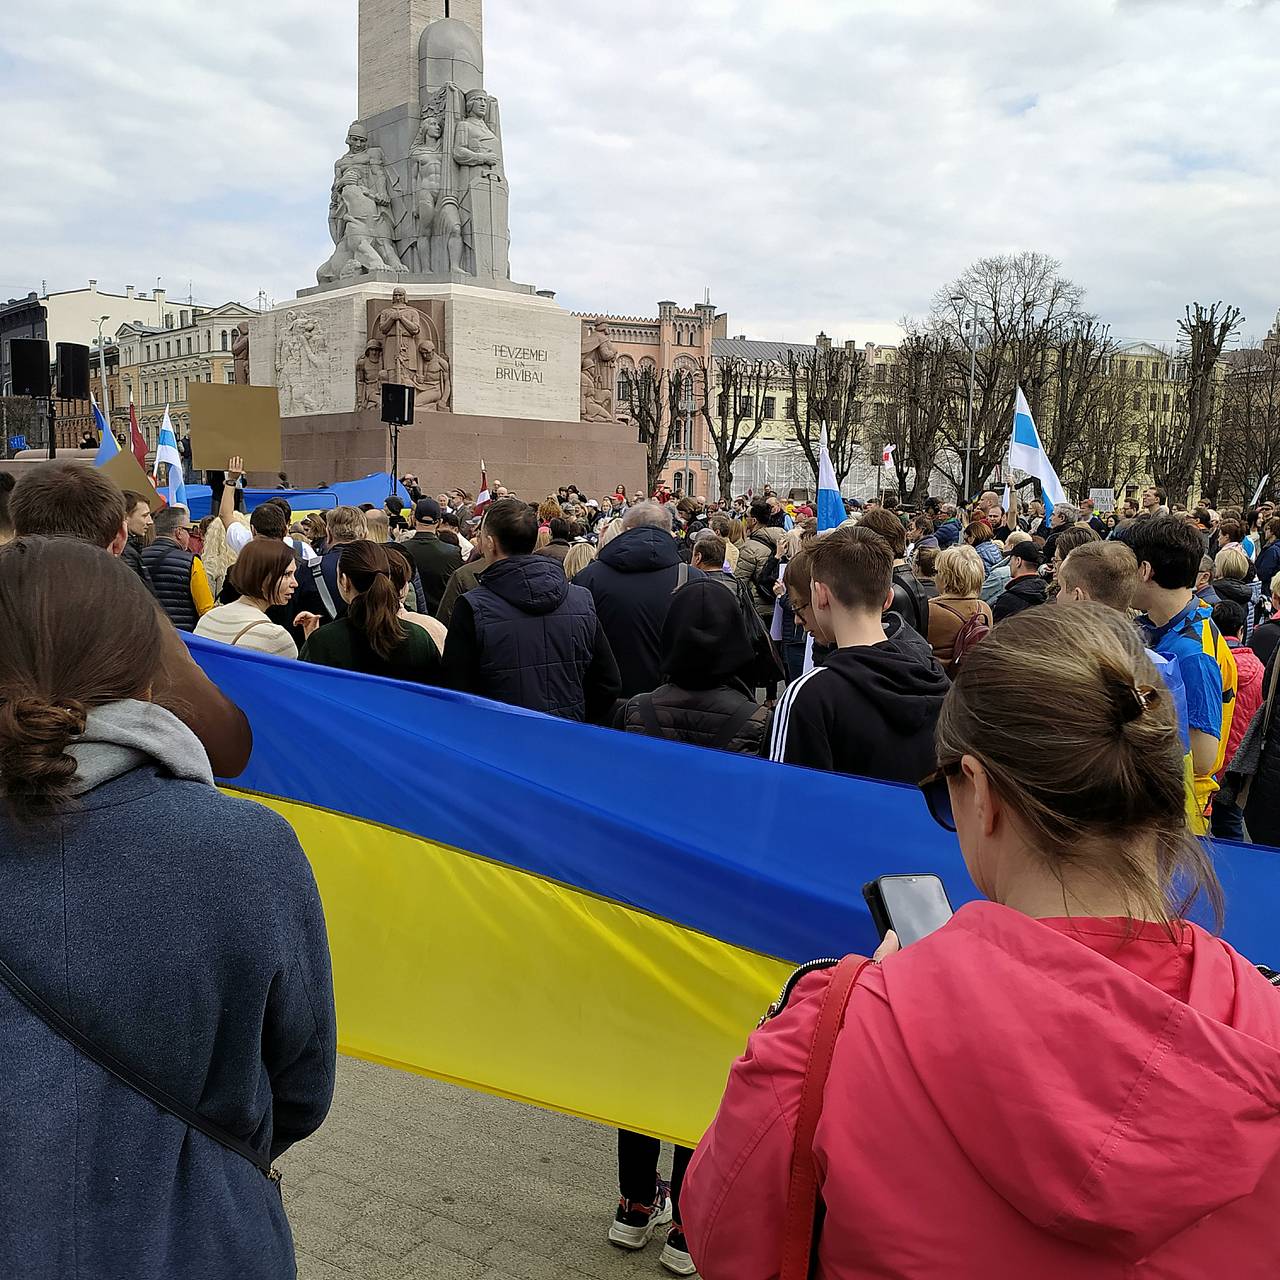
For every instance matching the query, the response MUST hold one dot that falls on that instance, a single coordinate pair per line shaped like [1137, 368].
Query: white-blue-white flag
[1027, 454]
[108, 445]
[175, 491]
[831, 512]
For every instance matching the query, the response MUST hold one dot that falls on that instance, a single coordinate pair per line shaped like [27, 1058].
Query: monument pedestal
[532, 458]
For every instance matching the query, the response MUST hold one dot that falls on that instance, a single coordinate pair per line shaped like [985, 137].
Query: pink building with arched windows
[677, 340]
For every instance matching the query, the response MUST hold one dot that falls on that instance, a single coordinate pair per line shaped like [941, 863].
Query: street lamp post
[102, 373]
[972, 324]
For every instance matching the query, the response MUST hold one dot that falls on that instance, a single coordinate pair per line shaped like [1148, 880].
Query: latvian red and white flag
[482, 498]
[136, 441]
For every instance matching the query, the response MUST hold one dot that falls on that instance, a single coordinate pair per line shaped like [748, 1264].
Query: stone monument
[240, 354]
[418, 290]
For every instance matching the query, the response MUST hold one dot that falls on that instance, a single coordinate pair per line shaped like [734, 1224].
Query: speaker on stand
[29, 374]
[397, 412]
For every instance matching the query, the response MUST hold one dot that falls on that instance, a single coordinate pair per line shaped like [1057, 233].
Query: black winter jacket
[169, 568]
[631, 582]
[698, 716]
[528, 637]
[132, 556]
[1021, 593]
[435, 562]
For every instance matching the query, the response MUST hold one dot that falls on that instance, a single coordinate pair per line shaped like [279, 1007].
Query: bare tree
[919, 397]
[1178, 449]
[826, 384]
[738, 414]
[1026, 310]
[1075, 390]
[655, 410]
[1104, 455]
[1248, 439]
[18, 417]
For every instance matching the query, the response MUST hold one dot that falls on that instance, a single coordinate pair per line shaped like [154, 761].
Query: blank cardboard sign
[127, 472]
[230, 422]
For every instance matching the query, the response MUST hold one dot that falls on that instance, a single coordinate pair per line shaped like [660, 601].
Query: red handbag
[800, 1227]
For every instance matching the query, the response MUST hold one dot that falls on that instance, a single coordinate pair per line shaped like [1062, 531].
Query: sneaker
[634, 1223]
[675, 1254]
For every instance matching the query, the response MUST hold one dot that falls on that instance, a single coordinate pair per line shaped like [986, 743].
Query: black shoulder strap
[729, 730]
[127, 1075]
[326, 596]
[652, 726]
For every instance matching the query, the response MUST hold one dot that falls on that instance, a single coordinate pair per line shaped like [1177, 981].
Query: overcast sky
[815, 163]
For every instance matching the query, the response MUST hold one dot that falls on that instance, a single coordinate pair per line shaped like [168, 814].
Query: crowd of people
[1080, 696]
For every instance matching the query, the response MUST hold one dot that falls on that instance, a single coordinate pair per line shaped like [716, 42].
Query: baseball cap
[427, 510]
[1028, 552]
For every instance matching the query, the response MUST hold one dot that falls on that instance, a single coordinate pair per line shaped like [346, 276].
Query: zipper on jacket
[827, 962]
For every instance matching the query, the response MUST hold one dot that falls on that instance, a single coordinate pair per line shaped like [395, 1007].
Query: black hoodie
[1022, 593]
[869, 711]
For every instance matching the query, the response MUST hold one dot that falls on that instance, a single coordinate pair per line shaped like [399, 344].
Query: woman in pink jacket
[1066, 1081]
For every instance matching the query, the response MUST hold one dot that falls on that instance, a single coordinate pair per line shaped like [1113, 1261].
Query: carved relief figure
[300, 351]
[369, 377]
[435, 389]
[599, 360]
[399, 326]
[240, 353]
[437, 218]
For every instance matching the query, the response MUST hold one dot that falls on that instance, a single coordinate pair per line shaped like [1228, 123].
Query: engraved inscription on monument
[520, 364]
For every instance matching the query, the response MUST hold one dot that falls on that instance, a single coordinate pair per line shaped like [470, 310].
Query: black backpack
[918, 615]
[765, 578]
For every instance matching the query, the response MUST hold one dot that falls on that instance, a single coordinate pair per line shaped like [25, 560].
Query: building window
[745, 404]
[1154, 399]
[168, 320]
[185, 316]
[791, 408]
[224, 339]
[1137, 400]
[624, 389]
[770, 407]
[167, 352]
[1166, 402]
[231, 375]
[188, 346]
[882, 372]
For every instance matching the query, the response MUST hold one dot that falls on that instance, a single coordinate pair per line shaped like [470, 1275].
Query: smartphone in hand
[912, 906]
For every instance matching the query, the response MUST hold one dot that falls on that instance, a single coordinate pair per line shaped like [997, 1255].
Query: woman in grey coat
[178, 929]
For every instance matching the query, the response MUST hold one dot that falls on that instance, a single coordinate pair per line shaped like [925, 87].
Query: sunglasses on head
[937, 795]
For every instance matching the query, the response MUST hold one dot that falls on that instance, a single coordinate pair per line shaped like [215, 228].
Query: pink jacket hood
[1104, 1110]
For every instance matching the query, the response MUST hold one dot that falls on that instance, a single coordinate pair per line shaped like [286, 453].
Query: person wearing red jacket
[1067, 1080]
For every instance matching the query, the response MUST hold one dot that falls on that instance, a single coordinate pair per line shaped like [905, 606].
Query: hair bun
[36, 722]
[1129, 701]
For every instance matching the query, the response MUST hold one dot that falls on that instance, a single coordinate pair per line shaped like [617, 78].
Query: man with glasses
[177, 576]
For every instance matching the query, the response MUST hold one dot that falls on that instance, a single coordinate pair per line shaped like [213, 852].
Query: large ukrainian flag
[583, 919]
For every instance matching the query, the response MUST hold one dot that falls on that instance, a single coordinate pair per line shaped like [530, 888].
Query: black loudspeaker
[397, 404]
[29, 367]
[73, 371]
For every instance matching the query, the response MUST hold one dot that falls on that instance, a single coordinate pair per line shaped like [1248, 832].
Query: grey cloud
[816, 164]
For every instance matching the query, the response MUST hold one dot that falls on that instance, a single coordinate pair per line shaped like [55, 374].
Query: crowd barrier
[372, 488]
[587, 920]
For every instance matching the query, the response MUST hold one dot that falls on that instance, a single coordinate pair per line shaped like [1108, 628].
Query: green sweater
[342, 644]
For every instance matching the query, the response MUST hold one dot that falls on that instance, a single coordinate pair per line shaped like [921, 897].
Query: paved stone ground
[410, 1179]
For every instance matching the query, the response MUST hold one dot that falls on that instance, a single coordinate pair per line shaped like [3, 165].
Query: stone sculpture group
[439, 208]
